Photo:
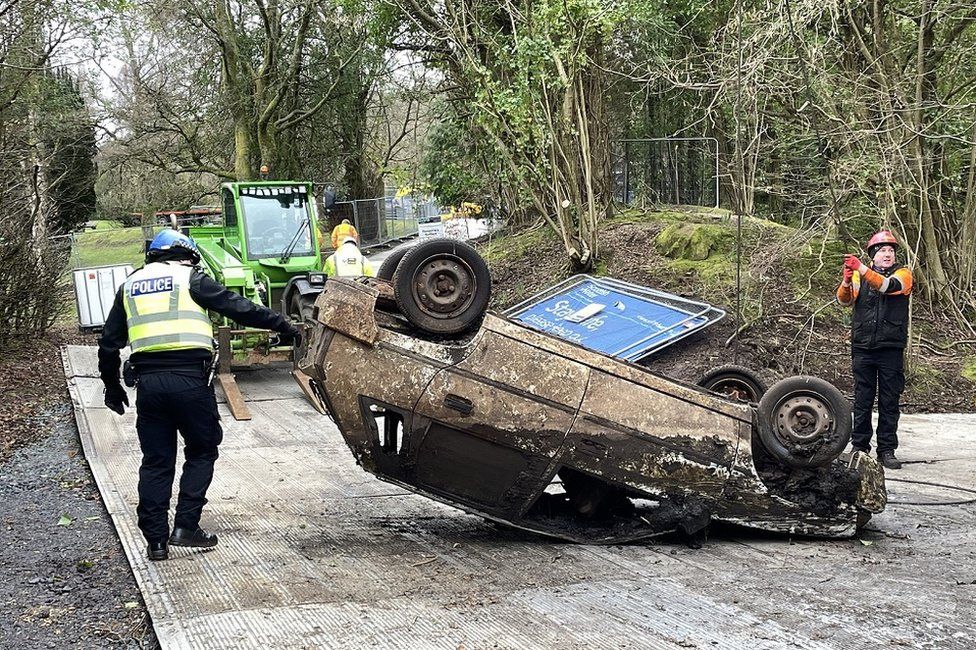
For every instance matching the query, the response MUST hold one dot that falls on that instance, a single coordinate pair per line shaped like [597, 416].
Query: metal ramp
[315, 553]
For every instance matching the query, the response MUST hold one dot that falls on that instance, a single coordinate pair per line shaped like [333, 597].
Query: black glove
[115, 398]
[292, 337]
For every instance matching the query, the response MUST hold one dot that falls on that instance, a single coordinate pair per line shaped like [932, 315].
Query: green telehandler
[265, 247]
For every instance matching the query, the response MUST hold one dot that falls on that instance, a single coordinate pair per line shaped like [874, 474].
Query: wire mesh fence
[382, 219]
[667, 171]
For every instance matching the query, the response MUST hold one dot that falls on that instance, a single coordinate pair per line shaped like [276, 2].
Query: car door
[494, 422]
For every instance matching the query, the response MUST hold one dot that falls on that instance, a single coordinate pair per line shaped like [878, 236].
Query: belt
[199, 369]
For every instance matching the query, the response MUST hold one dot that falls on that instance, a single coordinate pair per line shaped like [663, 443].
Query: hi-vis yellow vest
[347, 262]
[160, 312]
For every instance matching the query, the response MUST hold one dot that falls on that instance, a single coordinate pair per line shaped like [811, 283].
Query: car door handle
[459, 404]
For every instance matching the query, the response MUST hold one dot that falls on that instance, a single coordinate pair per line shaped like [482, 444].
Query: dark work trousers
[877, 372]
[167, 402]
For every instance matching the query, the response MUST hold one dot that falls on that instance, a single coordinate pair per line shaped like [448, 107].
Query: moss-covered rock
[969, 369]
[693, 241]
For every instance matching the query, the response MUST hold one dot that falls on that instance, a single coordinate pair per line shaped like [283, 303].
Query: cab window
[229, 209]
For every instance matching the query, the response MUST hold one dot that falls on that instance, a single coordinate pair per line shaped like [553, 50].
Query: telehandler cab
[265, 248]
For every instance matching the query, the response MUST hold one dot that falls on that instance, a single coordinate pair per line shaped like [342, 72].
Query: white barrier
[95, 290]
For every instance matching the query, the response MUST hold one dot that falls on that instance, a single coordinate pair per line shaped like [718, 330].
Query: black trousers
[167, 402]
[877, 372]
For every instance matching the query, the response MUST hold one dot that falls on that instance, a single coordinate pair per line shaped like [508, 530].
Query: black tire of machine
[302, 308]
[735, 382]
[804, 422]
[442, 286]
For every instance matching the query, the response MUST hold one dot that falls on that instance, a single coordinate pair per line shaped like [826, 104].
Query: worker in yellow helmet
[348, 261]
[343, 230]
[161, 313]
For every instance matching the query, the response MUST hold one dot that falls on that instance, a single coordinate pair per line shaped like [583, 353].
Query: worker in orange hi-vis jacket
[879, 334]
[343, 230]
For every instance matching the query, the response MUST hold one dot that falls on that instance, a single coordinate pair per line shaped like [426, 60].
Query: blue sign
[607, 318]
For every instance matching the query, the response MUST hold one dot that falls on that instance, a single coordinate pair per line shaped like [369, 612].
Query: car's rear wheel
[442, 286]
[735, 382]
[392, 261]
[804, 422]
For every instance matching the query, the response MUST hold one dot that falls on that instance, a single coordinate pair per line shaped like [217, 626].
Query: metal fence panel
[379, 220]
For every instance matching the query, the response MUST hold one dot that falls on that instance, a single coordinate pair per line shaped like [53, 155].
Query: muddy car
[433, 394]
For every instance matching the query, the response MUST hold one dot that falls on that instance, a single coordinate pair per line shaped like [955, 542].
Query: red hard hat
[881, 238]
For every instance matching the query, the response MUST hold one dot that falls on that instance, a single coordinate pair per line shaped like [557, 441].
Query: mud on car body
[526, 429]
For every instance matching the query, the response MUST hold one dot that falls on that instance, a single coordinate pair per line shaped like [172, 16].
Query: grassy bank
[107, 245]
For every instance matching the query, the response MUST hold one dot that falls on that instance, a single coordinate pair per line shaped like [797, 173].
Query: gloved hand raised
[852, 262]
[848, 274]
[115, 398]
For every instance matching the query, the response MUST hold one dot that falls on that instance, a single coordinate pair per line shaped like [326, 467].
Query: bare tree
[530, 75]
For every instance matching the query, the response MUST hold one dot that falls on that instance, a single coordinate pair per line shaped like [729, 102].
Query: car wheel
[442, 286]
[804, 421]
[735, 382]
[389, 265]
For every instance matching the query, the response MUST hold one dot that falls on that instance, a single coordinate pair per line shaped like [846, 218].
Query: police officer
[161, 312]
[348, 261]
[879, 294]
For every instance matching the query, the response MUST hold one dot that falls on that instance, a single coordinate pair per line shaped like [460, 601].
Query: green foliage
[452, 165]
[518, 87]
[68, 133]
[528, 87]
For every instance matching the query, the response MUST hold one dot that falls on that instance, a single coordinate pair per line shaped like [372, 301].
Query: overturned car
[474, 410]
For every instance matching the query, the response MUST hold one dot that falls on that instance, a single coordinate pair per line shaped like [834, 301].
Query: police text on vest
[153, 285]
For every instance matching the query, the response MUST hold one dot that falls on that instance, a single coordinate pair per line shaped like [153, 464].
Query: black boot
[888, 459]
[198, 538]
[157, 551]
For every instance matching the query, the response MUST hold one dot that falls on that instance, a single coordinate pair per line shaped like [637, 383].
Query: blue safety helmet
[172, 241]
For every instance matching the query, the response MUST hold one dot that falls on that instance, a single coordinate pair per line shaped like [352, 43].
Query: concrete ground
[316, 553]
[377, 255]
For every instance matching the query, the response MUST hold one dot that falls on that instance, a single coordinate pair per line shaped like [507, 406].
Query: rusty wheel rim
[443, 286]
[736, 389]
[803, 419]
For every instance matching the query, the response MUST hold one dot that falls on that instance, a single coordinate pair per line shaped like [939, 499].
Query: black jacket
[205, 292]
[880, 319]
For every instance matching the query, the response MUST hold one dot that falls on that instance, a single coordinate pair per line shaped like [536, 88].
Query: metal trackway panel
[315, 553]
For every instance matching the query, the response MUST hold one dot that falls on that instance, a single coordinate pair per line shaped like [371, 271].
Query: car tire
[442, 286]
[734, 382]
[804, 422]
[392, 261]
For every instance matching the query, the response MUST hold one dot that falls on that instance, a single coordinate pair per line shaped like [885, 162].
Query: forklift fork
[228, 383]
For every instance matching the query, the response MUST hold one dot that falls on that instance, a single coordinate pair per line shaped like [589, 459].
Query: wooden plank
[235, 400]
[225, 355]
